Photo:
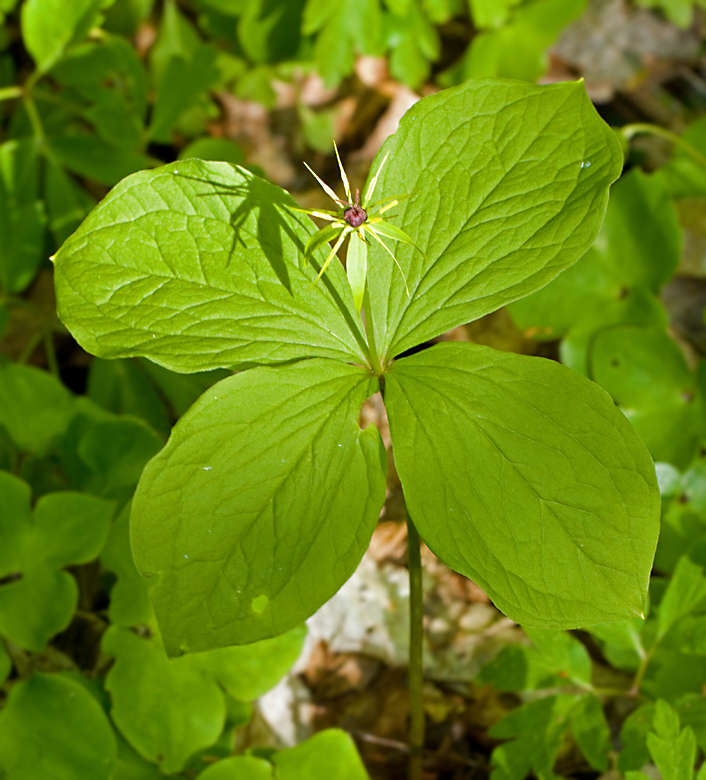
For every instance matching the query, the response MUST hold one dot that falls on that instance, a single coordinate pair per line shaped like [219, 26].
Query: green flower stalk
[357, 218]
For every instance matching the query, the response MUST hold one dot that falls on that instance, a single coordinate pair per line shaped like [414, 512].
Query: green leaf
[415, 45]
[67, 202]
[491, 13]
[679, 12]
[686, 592]
[52, 727]
[110, 78]
[129, 603]
[688, 636]
[633, 738]
[50, 27]
[34, 406]
[64, 528]
[215, 149]
[124, 387]
[240, 767]
[344, 28]
[522, 475]
[508, 185]
[591, 731]
[331, 754]
[249, 671]
[519, 49]
[5, 663]
[619, 278]
[536, 731]
[673, 750]
[237, 560]
[269, 32]
[647, 375]
[563, 655]
[181, 84]
[96, 159]
[166, 710]
[22, 217]
[200, 265]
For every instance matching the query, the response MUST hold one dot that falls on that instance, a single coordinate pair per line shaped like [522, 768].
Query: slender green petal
[344, 178]
[323, 236]
[372, 230]
[374, 181]
[335, 249]
[327, 189]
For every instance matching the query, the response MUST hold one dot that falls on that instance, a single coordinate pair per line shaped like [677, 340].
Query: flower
[359, 217]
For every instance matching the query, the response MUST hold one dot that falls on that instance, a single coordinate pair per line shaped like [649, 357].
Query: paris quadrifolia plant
[517, 471]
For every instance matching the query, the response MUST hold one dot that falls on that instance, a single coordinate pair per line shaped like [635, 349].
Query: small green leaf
[167, 711]
[34, 406]
[67, 202]
[686, 592]
[240, 767]
[50, 27]
[237, 560]
[536, 731]
[52, 727]
[249, 671]
[619, 278]
[22, 217]
[64, 528]
[215, 149]
[331, 754]
[129, 603]
[181, 84]
[647, 375]
[5, 663]
[269, 32]
[563, 655]
[522, 475]
[591, 731]
[96, 159]
[201, 265]
[673, 750]
[508, 185]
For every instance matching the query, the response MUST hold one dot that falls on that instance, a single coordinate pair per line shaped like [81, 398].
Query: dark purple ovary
[355, 216]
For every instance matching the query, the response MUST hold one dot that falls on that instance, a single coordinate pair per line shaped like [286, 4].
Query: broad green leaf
[50, 27]
[177, 38]
[218, 517]
[633, 738]
[331, 754]
[52, 727]
[688, 636]
[536, 731]
[522, 475]
[619, 278]
[200, 265]
[491, 13]
[96, 159]
[686, 592]
[34, 406]
[683, 175]
[167, 711]
[125, 16]
[622, 642]
[591, 731]
[672, 749]
[64, 528]
[508, 184]
[240, 767]
[22, 217]
[5, 663]
[181, 390]
[647, 375]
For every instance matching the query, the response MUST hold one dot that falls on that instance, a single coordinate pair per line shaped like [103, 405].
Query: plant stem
[8, 93]
[644, 127]
[416, 679]
[370, 331]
